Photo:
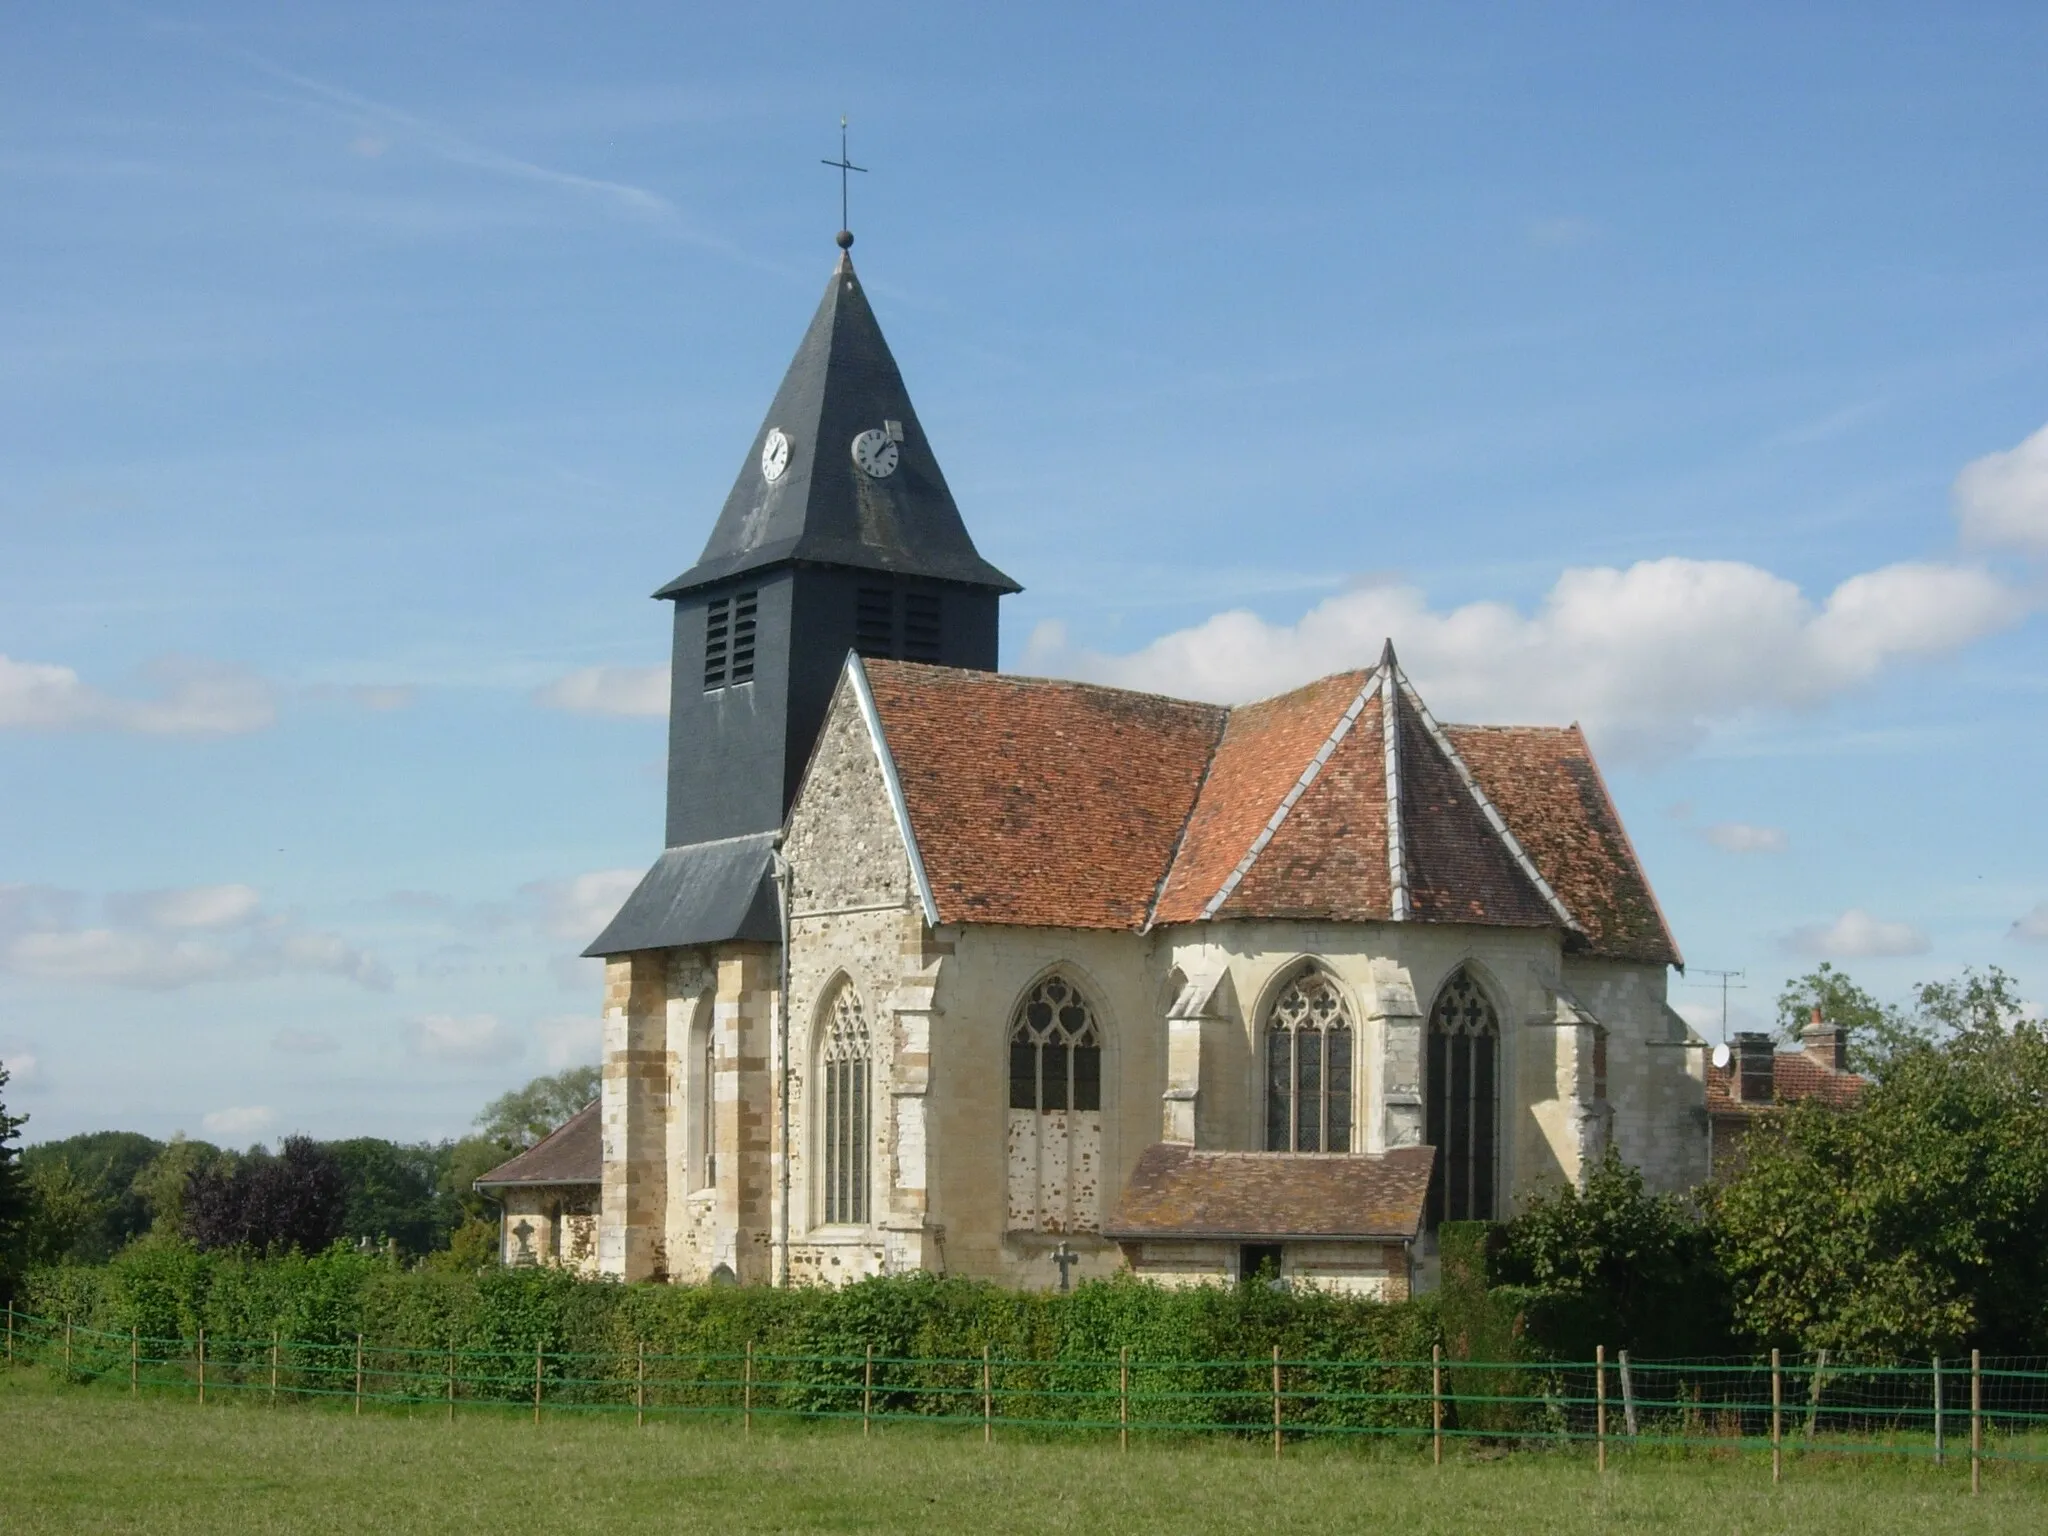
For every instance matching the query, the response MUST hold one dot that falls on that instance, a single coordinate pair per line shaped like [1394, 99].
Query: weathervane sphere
[845, 239]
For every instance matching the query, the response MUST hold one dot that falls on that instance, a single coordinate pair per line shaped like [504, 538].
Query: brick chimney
[1824, 1043]
[1752, 1078]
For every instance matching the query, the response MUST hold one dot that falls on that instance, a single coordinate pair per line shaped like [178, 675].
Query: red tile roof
[1795, 1077]
[1176, 1191]
[1066, 805]
[1545, 784]
[1041, 803]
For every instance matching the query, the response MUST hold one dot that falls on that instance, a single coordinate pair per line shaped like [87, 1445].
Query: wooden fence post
[1820, 1366]
[1599, 1407]
[1276, 1402]
[988, 1399]
[134, 1351]
[10, 1333]
[1976, 1421]
[1777, 1413]
[67, 1346]
[539, 1353]
[1628, 1397]
[359, 1375]
[1436, 1403]
[1123, 1398]
[747, 1392]
[451, 1383]
[1940, 1458]
[867, 1392]
[276, 1340]
[202, 1367]
[640, 1384]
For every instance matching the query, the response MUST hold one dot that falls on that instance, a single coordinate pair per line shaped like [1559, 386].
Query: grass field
[83, 1460]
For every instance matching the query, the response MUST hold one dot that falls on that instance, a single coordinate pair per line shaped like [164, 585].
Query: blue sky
[363, 368]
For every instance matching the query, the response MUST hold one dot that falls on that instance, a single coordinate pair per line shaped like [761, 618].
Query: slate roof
[573, 1153]
[1795, 1078]
[1063, 804]
[700, 893]
[1179, 1192]
[825, 510]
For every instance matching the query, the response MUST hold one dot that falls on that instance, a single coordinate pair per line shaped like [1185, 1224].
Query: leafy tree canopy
[166, 1181]
[103, 1166]
[523, 1116]
[14, 1195]
[1918, 1220]
[393, 1192]
[296, 1199]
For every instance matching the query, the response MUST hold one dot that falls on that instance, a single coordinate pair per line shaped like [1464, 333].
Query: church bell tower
[838, 535]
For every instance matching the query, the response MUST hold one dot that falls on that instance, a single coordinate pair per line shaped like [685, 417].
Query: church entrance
[1463, 1103]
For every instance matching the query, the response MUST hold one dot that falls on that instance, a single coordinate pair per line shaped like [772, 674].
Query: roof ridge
[1034, 679]
[1629, 843]
[1404, 689]
[1180, 838]
[892, 781]
[1301, 785]
[1397, 848]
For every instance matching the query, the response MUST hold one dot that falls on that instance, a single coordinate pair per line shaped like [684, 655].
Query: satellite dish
[1722, 1055]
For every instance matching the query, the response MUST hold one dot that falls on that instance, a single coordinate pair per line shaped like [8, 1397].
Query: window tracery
[844, 1064]
[1055, 1119]
[1308, 1067]
[1462, 1112]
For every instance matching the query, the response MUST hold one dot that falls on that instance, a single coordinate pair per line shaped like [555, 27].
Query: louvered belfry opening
[1461, 1118]
[1308, 1068]
[845, 1070]
[730, 624]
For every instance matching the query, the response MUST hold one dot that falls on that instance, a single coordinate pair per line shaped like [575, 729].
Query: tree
[1877, 1031]
[394, 1192]
[297, 1199]
[14, 1197]
[523, 1116]
[104, 1166]
[64, 1210]
[469, 1160]
[165, 1183]
[1917, 1220]
[1639, 1266]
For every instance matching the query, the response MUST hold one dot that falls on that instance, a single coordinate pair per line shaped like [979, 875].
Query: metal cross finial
[844, 165]
[1066, 1258]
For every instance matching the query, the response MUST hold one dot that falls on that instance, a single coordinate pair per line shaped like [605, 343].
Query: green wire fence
[1970, 1410]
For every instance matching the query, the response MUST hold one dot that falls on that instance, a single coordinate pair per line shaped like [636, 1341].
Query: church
[1036, 981]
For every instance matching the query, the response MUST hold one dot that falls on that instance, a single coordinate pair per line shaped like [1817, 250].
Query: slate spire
[824, 509]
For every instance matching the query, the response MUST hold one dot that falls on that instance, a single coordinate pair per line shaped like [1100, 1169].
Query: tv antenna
[1729, 980]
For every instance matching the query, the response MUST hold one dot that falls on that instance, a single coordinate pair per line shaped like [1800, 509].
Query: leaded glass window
[1308, 1068]
[1055, 1051]
[845, 1068]
[1462, 1111]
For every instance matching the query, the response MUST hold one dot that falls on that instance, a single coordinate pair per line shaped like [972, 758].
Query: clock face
[775, 455]
[875, 453]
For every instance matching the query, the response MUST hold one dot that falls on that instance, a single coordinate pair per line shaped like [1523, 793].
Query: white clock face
[875, 453]
[775, 455]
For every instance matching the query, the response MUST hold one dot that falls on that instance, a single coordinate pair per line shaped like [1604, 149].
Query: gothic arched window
[1463, 1101]
[1308, 1068]
[1055, 1123]
[844, 1065]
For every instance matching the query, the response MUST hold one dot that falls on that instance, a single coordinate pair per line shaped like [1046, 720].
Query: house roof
[823, 509]
[1179, 1192]
[1795, 1078]
[1033, 801]
[572, 1153]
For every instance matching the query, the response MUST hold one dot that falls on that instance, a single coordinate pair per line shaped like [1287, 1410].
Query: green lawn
[74, 1459]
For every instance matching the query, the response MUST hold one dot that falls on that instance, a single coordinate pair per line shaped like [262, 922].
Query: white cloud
[192, 906]
[166, 939]
[23, 1066]
[465, 1037]
[193, 698]
[2033, 926]
[303, 1042]
[2002, 498]
[608, 691]
[1856, 935]
[243, 1120]
[570, 1039]
[1741, 837]
[1651, 659]
[578, 908]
